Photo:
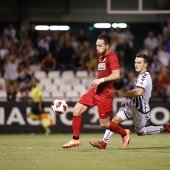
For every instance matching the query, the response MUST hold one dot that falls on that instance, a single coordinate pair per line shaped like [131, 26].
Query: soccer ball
[59, 106]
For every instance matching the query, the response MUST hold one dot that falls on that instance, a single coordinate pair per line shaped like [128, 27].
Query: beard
[102, 53]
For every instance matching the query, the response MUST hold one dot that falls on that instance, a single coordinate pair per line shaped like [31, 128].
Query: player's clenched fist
[95, 83]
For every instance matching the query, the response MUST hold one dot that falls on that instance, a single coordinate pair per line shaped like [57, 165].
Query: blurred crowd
[61, 50]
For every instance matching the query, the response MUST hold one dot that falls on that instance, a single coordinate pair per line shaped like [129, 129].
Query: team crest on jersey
[102, 66]
[102, 59]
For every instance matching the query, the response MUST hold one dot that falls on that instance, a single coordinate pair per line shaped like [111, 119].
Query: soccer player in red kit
[101, 94]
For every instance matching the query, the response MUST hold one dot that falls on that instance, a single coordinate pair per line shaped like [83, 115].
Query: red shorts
[104, 104]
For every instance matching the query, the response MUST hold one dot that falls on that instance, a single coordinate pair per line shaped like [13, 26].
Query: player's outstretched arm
[133, 93]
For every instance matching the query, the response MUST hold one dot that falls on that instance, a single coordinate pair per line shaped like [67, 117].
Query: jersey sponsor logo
[102, 66]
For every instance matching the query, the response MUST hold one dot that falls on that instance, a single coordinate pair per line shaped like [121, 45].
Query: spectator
[48, 63]
[75, 43]
[128, 37]
[28, 53]
[167, 42]
[11, 93]
[54, 43]
[121, 47]
[131, 80]
[145, 49]
[151, 41]
[114, 39]
[163, 83]
[91, 63]
[24, 80]
[155, 67]
[164, 56]
[43, 45]
[80, 62]
[4, 51]
[160, 40]
[32, 53]
[10, 31]
[66, 58]
[121, 84]
[155, 70]
[82, 56]
[11, 71]
[33, 34]
[81, 37]
[166, 29]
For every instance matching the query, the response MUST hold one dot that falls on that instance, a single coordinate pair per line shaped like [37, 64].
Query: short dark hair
[104, 37]
[144, 56]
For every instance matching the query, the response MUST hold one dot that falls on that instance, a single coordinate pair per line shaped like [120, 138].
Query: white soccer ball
[59, 106]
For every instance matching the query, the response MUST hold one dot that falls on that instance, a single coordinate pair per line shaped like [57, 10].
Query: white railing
[139, 11]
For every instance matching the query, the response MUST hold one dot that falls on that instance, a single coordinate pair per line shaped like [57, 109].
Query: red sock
[76, 126]
[114, 127]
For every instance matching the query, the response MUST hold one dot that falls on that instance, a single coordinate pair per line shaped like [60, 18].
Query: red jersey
[107, 64]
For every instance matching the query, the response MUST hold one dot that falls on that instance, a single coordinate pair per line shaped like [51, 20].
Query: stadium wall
[77, 11]
[13, 118]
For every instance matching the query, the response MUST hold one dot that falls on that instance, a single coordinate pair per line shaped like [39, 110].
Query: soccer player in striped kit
[136, 106]
[100, 94]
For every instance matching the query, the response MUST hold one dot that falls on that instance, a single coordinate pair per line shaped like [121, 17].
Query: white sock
[153, 130]
[107, 135]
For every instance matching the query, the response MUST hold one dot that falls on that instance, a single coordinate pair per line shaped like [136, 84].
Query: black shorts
[35, 108]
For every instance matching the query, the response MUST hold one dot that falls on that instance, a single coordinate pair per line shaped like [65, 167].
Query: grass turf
[40, 152]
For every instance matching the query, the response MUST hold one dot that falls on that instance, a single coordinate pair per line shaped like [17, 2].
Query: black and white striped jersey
[144, 81]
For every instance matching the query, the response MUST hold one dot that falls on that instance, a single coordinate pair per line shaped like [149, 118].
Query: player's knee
[76, 111]
[104, 125]
[140, 132]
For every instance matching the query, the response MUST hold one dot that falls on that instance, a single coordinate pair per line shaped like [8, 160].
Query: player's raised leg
[125, 134]
[151, 130]
[114, 127]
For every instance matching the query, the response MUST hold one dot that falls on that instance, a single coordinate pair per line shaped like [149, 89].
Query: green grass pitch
[40, 152]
